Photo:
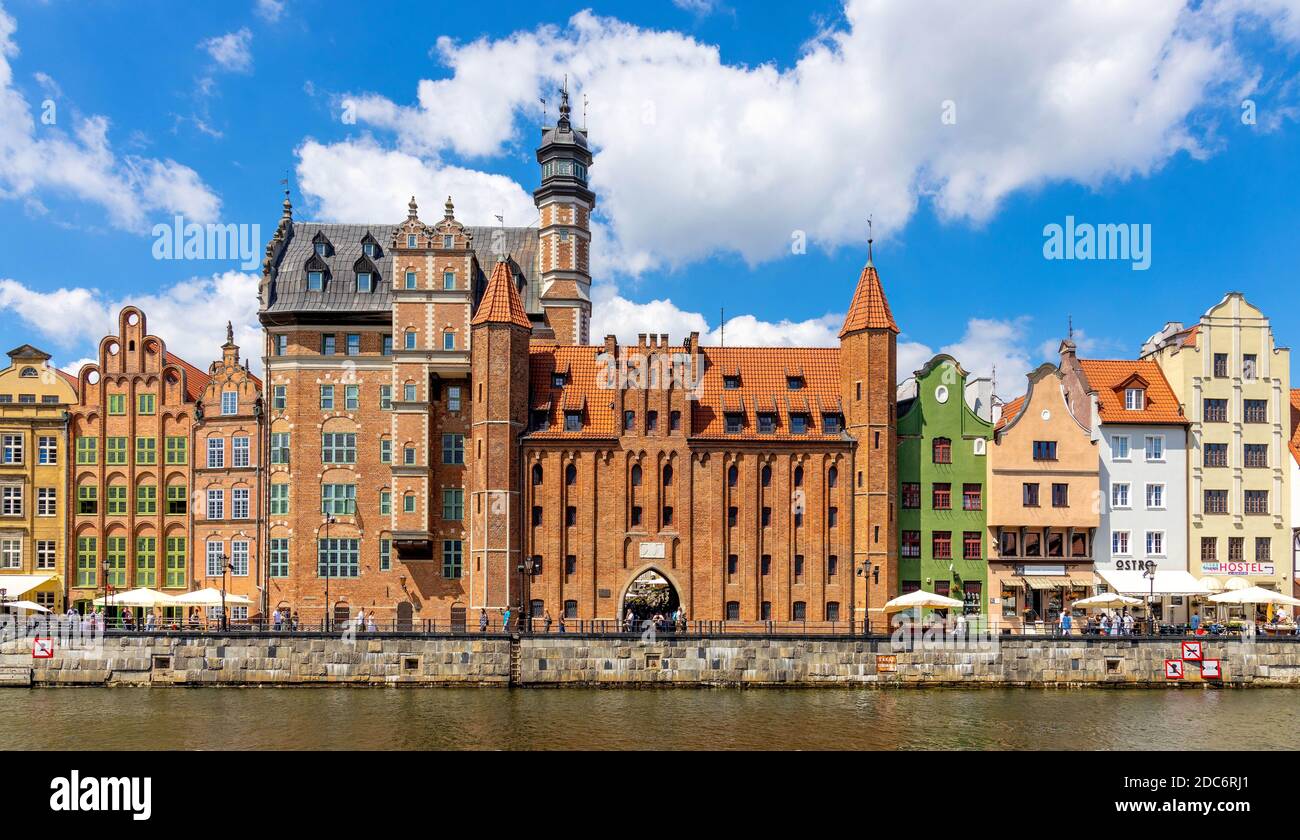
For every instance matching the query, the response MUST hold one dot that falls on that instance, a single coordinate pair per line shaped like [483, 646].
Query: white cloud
[232, 51]
[36, 158]
[75, 319]
[270, 10]
[987, 343]
[1084, 92]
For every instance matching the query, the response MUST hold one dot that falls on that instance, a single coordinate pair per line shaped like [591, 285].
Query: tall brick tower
[564, 238]
[499, 376]
[868, 354]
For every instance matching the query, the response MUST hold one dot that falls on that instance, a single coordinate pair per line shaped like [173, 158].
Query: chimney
[611, 345]
[693, 343]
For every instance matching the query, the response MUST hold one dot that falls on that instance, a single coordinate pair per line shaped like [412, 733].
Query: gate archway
[649, 593]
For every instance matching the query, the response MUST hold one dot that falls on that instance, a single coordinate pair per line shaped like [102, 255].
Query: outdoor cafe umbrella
[143, 597]
[920, 598]
[209, 597]
[26, 606]
[1107, 599]
[1236, 583]
[1254, 595]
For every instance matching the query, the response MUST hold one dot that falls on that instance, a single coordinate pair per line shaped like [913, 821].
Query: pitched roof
[870, 309]
[501, 304]
[1011, 410]
[195, 380]
[763, 373]
[1295, 426]
[1109, 377]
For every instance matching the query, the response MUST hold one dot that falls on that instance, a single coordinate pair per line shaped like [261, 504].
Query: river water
[578, 718]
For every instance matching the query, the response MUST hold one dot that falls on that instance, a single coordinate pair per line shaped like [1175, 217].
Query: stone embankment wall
[313, 659]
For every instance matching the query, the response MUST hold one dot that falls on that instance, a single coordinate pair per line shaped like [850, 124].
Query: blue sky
[724, 132]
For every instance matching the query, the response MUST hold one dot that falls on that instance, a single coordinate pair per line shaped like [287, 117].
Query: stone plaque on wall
[652, 551]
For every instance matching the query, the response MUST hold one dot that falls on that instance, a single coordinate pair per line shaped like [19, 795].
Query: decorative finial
[288, 205]
[1072, 328]
[448, 211]
[412, 211]
[564, 103]
[230, 333]
[870, 239]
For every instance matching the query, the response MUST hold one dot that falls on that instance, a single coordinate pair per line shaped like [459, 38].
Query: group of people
[673, 622]
[521, 621]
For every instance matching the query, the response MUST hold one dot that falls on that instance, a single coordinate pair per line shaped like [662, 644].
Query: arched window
[798, 476]
[942, 451]
[537, 473]
[636, 475]
[668, 476]
[733, 476]
[570, 475]
[832, 477]
[28, 373]
[767, 476]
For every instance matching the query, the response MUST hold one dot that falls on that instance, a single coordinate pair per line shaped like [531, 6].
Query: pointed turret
[501, 303]
[870, 308]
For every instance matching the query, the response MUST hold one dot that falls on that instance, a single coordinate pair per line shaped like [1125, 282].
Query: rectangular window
[1236, 549]
[1044, 450]
[385, 502]
[1119, 495]
[1155, 448]
[229, 403]
[385, 555]
[573, 421]
[216, 504]
[971, 545]
[942, 496]
[1249, 366]
[327, 345]
[239, 503]
[279, 499]
[1060, 495]
[1216, 501]
[1263, 550]
[1119, 543]
[766, 423]
[832, 424]
[146, 451]
[1220, 365]
[1216, 454]
[338, 448]
[13, 449]
[1030, 495]
[408, 392]
[315, 281]
[87, 562]
[1134, 399]
[278, 566]
[453, 503]
[1216, 411]
[972, 497]
[216, 559]
[1155, 497]
[942, 544]
[449, 341]
[1155, 543]
[115, 450]
[117, 404]
[87, 500]
[115, 560]
[338, 558]
[327, 397]
[146, 500]
[1209, 549]
[279, 397]
[351, 397]
[177, 500]
[385, 451]
[1255, 411]
[408, 503]
[146, 561]
[177, 562]
[451, 559]
[386, 397]
[281, 345]
[216, 453]
[47, 501]
[798, 424]
[11, 500]
[45, 555]
[279, 447]
[11, 554]
[734, 422]
[117, 500]
[410, 280]
[1256, 502]
[1256, 454]
[338, 499]
[910, 544]
[453, 449]
[177, 450]
[453, 398]
[1119, 447]
[911, 494]
[239, 558]
[354, 344]
[47, 449]
[387, 348]
[448, 280]
[410, 340]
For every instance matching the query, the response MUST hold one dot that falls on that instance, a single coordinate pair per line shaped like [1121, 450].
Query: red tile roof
[195, 379]
[501, 303]
[1295, 428]
[1010, 410]
[870, 309]
[764, 388]
[1109, 378]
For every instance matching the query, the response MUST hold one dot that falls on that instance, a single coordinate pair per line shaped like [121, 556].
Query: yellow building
[1234, 384]
[34, 399]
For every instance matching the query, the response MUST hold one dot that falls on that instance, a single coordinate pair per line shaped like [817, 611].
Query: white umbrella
[921, 598]
[26, 606]
[207, 598]
[1254, 595]
[1211, 584]
[143, 597]
[1237, 583]
[1107, 599]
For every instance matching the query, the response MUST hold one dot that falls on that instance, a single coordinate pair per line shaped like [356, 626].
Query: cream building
[1234, 385]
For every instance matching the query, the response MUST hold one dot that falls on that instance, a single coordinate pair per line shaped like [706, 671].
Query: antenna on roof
[542, 99]
[722, 326]
[584, 113]
[870, 238]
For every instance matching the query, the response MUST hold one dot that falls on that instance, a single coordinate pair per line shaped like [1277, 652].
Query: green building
[944, 426]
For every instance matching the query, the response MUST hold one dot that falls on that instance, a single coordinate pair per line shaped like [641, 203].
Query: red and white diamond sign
[1210, 670]
[1173, 669]
[1192, 651]
[42, 649]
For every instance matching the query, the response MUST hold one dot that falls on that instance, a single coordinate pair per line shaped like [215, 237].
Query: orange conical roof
[870, 309]
[501, 303]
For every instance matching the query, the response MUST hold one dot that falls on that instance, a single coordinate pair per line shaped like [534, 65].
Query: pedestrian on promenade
[1128, 623]
[505, 620]
[1196, 622]
[293, 624]
[482, 620]
[1067, 622]
[1104, 623]
[275, 620]
[561, 622]
[360, 620]
[546, 622]
[151, 620]
[371, 625]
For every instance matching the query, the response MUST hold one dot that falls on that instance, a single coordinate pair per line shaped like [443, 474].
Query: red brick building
[411, 393]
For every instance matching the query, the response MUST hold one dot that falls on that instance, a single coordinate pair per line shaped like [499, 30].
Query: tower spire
[564, 103]
[870, 239]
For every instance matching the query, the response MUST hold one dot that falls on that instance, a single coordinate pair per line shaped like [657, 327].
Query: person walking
[371, 624]
[275, 620]
[293, 623]
[1067, 622]
[1128, 623]
[482, 620]
[505, 620]
[546, 622]
[360, 620]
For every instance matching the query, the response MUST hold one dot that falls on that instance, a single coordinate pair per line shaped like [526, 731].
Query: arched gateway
[649, 593]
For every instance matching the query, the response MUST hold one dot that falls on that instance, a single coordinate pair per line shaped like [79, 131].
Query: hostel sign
[1238, 567]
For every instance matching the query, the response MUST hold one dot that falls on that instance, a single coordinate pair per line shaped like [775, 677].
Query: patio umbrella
[1212, 584]
[207, 598]
[26, 606]
[143, 597]
[921, 598]
[1254, 595]
[1237, 583]
[1107, 599]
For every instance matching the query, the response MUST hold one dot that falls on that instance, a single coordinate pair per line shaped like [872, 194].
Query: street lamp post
[329, 520]
[226, 566]
[526, 568]
[108, 588]
[1149, 572]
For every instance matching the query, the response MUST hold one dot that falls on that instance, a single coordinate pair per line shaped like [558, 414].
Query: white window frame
[46, 554]
[47, 450]
[216, 503]
[47, 501]
[1152, 486]
[1135, 399]
[239, 558]
[1114, 448]
[1154, 441]
[11, 553]
[239, 503]
[1159, 538]
[229, 403]
[216, 453]
[1128, 495]
[11, 500]
[13, 449]
[1120, 544]
[215, 550]
[240, 451]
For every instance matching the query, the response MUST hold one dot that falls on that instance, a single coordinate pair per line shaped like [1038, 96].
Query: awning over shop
[1046, 581]
[1167, 582]
[16, 586]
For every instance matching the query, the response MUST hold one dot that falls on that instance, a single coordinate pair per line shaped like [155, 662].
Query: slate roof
[1108, 376]
[763, 373]
[287, 290]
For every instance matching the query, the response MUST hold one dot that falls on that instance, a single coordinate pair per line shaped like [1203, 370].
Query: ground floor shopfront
[1027, 597]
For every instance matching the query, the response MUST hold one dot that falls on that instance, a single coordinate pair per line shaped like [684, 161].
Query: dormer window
[541, 419]
[320, 249]
[448, 241]
[321, 245]
[573, 421]
[798, 424]
[731, 383]
[410, 240]
[559, 380]
[315, 281]
[794, 383]
[766, 423]
[1135, 399]
[364, 282]
[735, 422]
[832, 424]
